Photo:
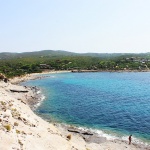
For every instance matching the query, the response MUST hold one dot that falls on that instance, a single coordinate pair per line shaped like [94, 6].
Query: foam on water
[41, 98]
[38, 92]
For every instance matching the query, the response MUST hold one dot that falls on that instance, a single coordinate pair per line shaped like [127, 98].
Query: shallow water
[116, 103]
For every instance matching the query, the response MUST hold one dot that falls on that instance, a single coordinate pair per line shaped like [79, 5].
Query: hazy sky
[75, 25]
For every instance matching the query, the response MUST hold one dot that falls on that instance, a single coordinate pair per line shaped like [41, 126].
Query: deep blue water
[116, 103]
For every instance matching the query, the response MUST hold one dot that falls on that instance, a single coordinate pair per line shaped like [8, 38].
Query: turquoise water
[115, 103]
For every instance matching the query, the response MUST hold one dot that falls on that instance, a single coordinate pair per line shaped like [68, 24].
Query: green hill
[16, 64]
[58, 53]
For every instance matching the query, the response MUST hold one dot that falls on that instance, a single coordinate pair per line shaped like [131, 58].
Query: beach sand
[22, 129]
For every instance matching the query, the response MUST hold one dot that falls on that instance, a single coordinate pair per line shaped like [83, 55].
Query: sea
[111, 104]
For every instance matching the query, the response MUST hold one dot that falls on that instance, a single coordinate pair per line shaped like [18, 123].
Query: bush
[3, 103]
[69, 137]
[17, 131]
[7, 127]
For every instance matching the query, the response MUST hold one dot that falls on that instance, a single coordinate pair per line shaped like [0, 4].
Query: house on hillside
[44, 66]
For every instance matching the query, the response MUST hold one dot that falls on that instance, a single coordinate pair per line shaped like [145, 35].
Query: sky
[99, 26]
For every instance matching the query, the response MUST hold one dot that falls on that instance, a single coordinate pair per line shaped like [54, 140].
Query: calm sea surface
[116, 104]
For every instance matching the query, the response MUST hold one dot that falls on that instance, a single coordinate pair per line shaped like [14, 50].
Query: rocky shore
[22, 129]
[126, 70]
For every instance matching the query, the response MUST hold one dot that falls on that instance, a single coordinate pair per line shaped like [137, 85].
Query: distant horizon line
[78, 52]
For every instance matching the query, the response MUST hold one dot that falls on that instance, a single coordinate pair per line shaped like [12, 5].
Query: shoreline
[77, 141]
[34, 76]
[119, 71]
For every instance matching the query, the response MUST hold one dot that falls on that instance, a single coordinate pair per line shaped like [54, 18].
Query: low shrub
[69, 137]
[7, 127]
[17, 131]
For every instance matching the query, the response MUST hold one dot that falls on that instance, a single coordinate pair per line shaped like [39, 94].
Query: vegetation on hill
[17, 64]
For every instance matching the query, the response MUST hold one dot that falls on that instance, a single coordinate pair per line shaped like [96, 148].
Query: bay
[118, 104]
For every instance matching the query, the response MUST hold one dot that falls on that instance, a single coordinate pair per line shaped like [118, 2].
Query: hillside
[43, 53]
[58, 53]
[17, 64]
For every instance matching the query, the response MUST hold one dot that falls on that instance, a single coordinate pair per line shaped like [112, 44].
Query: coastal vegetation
[69, 137]
[8, 127]
[18, 64]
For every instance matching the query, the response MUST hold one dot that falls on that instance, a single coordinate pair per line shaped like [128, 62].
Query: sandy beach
[22, 129]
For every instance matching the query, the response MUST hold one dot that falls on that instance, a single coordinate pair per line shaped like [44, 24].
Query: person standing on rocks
[130, 139]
